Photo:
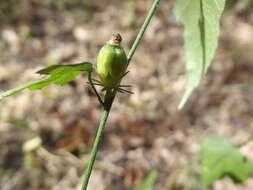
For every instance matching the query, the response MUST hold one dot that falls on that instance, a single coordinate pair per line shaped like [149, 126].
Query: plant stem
[107, 104]
[94, 89]
[144, 26]
[109, 98]
[93, 153]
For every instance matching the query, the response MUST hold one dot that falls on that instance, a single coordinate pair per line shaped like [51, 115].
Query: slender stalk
[94, 89]
[93, 153]
[109, 98]
[144, 26]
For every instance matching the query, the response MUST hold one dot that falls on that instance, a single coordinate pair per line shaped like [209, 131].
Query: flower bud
[112, 62]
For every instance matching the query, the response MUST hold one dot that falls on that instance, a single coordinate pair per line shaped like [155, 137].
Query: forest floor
[145, 130]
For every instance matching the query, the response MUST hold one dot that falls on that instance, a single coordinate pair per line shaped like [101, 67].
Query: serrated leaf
[200, 19]
[59, 74]
[148, 182]
[220, 158]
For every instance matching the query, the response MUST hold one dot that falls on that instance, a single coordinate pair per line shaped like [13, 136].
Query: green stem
[94, 151]
[94, 89]
[109, 98]
[144, 26]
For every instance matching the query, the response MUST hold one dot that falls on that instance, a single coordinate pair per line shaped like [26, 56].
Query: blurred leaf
[201, 24]
[59, 74]
[28, 148]
[148, 181]
[32, 144]
[22, 123]
[220, 158]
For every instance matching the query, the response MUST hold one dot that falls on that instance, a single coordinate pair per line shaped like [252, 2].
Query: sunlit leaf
[220, 158]
[58, 74]
[148, 182]
[200, 19]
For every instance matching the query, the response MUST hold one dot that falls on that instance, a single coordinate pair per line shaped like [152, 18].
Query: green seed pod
[112, 62]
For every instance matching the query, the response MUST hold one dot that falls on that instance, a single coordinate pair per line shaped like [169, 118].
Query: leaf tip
[185, 98]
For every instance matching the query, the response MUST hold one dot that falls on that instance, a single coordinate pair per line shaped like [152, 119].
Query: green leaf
[200, 19]
[59, 74]
[148, 181]
[220, 158]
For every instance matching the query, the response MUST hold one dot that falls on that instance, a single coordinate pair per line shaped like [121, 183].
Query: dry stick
[109, 98]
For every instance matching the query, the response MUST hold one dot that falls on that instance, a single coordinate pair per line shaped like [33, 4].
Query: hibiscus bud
[112, 62]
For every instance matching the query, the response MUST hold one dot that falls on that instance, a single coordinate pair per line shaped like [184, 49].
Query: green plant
[200, 19]
[112, 63]
[201, 22]
[111, 67]
[220, 158]
[148, 181]
[29, 147]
